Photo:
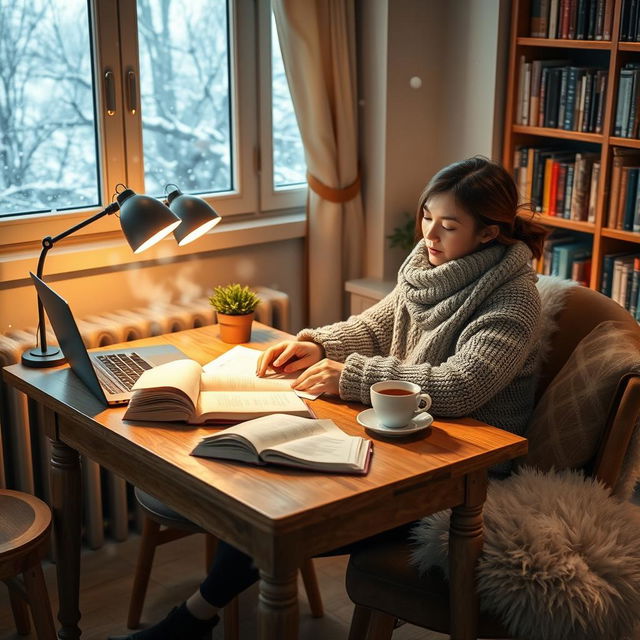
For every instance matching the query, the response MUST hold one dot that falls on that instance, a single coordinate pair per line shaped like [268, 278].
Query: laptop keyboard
[123, 368]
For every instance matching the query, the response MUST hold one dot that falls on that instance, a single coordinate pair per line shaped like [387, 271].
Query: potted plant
[235, 306]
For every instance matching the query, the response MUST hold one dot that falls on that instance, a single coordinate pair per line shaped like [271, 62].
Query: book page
[238, 404]
[235, 370]
[183, 375]
[329, 452]
[271, 430]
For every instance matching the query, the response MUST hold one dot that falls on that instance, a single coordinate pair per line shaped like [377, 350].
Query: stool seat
[25, 525]
[164, 514]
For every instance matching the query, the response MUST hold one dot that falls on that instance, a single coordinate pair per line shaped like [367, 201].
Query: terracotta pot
[235, 329]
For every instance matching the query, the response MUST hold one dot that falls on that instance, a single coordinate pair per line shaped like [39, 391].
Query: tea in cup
[397, 402]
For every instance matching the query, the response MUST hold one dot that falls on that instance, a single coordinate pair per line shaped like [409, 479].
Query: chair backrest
[584, 310]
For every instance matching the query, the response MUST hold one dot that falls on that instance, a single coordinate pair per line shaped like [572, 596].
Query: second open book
[225, 390]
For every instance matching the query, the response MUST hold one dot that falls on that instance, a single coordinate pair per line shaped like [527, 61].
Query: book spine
[593, 192]
[536, 19]
[635, 286]
[537, 180]
[588, 100]
[526, 93]
[622, 199]
[630, 201]
[569, 190]
[636, 215]
[624, 79]
[614, 193]
[607, 275]
[544, 82]
[534, 102]
[602, 88]
[615, 284]
[553, 18]
[552, 99]
[562, 100]
[573, 18]
[591, 21]
[608, 19]
[580, 19]
[520, 97]
[599, 20]
[572, 81]
[548, 167]
[624, 21]
[553, 188]
[560, 189]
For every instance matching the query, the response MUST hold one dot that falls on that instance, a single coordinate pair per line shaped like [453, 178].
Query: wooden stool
[162, 524]
[25, 526]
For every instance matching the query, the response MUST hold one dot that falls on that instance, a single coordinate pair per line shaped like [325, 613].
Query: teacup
[397, 402]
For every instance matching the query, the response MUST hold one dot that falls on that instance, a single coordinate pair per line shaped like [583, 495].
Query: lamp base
[38, 359]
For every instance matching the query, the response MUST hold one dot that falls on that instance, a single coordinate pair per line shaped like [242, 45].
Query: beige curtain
[317, 38]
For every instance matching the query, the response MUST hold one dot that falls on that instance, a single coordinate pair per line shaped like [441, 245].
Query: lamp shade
[196, 216]
[144, 220]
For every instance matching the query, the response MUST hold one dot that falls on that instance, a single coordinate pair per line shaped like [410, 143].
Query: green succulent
[234, 300]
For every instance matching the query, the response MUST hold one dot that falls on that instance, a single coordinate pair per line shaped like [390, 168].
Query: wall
[458, 50]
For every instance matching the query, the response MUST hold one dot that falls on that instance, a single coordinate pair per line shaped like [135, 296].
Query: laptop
[109, 375]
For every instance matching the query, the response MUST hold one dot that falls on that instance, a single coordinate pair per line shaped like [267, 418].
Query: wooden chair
[161, 524]
[25, 526]
[380, 580]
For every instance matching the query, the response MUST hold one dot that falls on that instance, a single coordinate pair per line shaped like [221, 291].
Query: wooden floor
[178, 567]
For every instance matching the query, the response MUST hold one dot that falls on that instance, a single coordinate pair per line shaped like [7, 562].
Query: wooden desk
[276, 515]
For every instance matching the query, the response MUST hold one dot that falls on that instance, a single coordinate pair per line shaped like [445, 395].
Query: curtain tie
[343, 194]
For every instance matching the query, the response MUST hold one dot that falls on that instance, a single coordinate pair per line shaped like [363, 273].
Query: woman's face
[449, 232]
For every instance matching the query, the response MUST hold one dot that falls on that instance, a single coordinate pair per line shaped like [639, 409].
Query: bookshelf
[611, 55]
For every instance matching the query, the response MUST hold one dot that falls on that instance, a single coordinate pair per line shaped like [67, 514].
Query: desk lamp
[196, 215]
[144, 221]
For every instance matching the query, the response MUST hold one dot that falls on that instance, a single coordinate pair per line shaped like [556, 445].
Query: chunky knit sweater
[465, 331]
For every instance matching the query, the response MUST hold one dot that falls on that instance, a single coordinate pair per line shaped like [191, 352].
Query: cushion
[561, 557]
[568, 421]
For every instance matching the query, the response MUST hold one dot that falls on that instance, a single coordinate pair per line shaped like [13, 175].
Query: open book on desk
[287, 440]
[184, 391]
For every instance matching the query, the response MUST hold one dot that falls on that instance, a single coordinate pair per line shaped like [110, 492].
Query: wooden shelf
[632, 143]
[628, 236]
[580, 53]
[602, 45]
[547, 132]
[563, 223]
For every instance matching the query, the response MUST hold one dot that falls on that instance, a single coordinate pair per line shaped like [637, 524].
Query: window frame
[120, 135]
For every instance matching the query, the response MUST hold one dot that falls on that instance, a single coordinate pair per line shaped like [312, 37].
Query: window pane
[48, 156]
[184, 78]
[289, 167]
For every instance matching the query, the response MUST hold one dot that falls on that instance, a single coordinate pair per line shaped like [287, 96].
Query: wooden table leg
[465, 547]
[278, 606]
[66, 499]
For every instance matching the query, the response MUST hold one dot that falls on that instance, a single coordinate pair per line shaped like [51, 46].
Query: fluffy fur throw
[561, 557]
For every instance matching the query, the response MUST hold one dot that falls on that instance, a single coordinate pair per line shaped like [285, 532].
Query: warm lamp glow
[196, 216]
[200, 231]
[157, 237]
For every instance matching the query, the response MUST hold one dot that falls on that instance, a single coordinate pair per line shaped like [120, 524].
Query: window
[48, 152]
[95, 93]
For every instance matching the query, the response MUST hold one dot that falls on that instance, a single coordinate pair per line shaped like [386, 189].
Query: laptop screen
[68, 335]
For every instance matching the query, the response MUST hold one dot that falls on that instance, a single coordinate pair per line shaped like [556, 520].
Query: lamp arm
[47, 243]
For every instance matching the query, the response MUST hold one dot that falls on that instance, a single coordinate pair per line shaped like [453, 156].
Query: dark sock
[180, 624]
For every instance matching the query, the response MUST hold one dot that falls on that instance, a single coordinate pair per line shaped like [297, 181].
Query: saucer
[367, 419]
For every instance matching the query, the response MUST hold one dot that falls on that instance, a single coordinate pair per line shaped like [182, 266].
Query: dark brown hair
[486, 191]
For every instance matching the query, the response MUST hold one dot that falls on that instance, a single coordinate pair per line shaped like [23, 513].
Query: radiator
[108, 504]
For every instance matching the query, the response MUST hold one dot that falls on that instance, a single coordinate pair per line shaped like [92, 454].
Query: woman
[462, 322]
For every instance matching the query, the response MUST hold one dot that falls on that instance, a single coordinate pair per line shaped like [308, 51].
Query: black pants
[234, 571]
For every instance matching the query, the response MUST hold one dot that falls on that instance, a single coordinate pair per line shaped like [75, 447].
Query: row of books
[630, 21]
[556, 94]
[628, 101]
[568, 258]
[571, 19]
[624, 198]
[558, 182]
[621, 280]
